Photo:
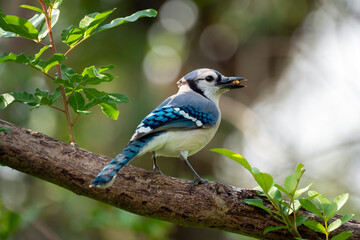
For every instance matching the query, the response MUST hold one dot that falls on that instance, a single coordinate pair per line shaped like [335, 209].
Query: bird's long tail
[107, 176]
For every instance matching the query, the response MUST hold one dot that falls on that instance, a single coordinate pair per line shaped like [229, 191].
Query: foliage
[286, 201]
[5, 129]
[73, 88]
[9, 222]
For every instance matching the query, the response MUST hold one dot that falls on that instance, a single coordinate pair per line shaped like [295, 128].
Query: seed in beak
[236, 82]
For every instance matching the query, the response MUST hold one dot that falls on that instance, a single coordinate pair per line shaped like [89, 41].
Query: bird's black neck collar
[194, 87]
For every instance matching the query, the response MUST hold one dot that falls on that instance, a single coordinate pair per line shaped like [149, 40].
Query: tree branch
[210, 205]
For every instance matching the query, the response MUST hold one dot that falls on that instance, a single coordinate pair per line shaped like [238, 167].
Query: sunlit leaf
[36, 62]
[32, 8]
[53, 61]
[72, 35]
[93, 20]
[315, 226]
[301, 191]
[132, 18]
[319, 199]
[275, 194]
[234, 156]
[43, 31]
[342, 236]
[20, 26]
[38, 55]
[341, 200]
[265, 181]
[334, 225]
[90, 25]
[290, 183]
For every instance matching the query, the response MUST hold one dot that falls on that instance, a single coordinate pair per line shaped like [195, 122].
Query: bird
[179, 127]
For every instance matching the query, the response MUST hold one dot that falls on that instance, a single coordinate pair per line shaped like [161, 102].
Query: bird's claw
[156, 170]
[197, 181]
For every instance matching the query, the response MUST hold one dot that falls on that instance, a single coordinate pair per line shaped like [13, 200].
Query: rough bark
[210, 205]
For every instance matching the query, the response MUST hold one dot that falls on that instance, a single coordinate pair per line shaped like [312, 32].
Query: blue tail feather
[106, 177]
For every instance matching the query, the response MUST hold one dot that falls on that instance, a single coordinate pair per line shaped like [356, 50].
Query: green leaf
[258, 203]
[5, 129]
[91, 76]
[234, 156]
[22, 97]
[255, 171]
[275, 194]
[319, 199]
[272, 228]
[330, 210]
[107, 101]
[311, 207]
[20, 26]
[38, 19]
[313, 225]
[40, 97]
[346, 218]
[44, 31]
[301, 191]
[297, 204]
[132, 18]
[89, 25]
[110, 110]
[32, 8]
[56, 59]
[290, 183]
[265, 181]
[341, 200]
[281, 188]
[36, 62]
[299, 170]
[342, 236]
[44, 98]
[38, 55]
[93, 20]
[77, 102]
[334, 225]
[12, 57]
[300, 221]
[72, 35]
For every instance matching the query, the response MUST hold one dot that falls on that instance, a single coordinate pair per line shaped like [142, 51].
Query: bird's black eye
[209, 78]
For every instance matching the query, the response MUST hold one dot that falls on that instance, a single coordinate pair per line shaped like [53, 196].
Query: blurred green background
[302, 103]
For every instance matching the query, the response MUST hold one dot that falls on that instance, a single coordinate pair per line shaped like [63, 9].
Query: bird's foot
[156, 170]
[197, 181]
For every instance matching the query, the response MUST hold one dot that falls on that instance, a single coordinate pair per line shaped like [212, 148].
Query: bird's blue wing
[174, 118]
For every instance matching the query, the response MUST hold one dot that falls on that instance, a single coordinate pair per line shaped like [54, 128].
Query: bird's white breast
[171, 143]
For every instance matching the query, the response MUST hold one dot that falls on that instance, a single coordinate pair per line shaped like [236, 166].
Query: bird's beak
[232, 82]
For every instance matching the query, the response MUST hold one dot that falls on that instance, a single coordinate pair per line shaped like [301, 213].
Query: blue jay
[179, 127]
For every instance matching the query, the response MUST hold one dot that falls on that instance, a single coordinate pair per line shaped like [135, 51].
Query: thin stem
[57, 108]
[62, 89]
[41, 43]
[75, 119]
[43, 72]
[71, 48]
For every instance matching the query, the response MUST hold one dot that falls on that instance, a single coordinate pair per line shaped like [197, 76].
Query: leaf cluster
[286, 201]
[73, 88]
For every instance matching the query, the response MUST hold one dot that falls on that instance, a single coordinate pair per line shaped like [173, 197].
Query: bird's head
[210, 83]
